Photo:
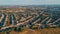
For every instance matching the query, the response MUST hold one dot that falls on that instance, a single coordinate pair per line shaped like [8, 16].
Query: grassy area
[40, 31]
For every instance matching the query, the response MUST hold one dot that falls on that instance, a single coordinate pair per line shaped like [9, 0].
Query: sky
[28, 2]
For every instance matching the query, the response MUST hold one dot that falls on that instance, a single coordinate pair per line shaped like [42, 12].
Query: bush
[18, 29]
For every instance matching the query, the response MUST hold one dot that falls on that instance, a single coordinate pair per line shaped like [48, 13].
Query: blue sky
[28, 2]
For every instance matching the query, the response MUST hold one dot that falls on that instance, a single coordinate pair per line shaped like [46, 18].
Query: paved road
[2, 22]
[14, 18]
[10, 19]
